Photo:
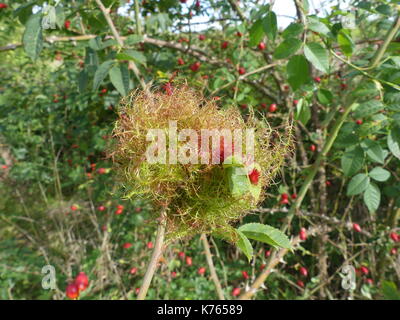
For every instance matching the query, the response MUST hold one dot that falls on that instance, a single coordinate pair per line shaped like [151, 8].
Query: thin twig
[213, 272]
[132, 65]
[151, 268]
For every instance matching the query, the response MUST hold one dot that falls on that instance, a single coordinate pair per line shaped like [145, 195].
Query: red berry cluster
[80, 284]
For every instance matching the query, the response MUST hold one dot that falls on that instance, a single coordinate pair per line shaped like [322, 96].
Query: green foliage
[59, 98]
[317, 55]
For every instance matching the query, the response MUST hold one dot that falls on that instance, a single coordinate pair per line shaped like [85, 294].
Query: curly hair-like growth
[198, 197]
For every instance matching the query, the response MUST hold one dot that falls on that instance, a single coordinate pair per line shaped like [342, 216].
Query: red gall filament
[254, 176]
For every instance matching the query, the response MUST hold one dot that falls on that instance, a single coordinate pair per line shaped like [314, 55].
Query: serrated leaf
[133, 39]
[358, 184]
[82, 81]
[368, 108]
[393, 141]
[298, 71]
[379, 174]
[317, 55]
[101, 73]
[60, 17]
[245, 245]
[346, 140]
[287, 48]
[256, 33]
[324, 96]
[346, 43]
[96, 43]
[132, 55]
[316, 25]
[352, 161]
[33, 38]
[293, 30]
[390, 291]
[266, 234]
[24, 11]
[372, 197]
[374, 150]
[303, 112]
[119, 76]
[270, 26]
[91, 59]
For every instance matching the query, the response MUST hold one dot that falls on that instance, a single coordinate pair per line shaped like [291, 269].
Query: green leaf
[24, 11]
[255, 189]
[368, 108]
[101, 73]
[346, 43]
[394, 141]
[390, 291]
[119, 76]
[316, 25]
[346, 140]
[96, 43]
[374, 150]
[384, 9]
[352, 161]
[270, 26]
[372, 197]
[60, 17]
[91, 59]
[133, 39]
[298, 71]
[287, 48]
[33, 38]
[82, 81]
[256, 33]
[358, 184]
[293, 30]
[379, 174]
[238, 181]
[303, 112]
[324, 96]
[317, 55]
[266, 234]
[245, 245]
[132, 55]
